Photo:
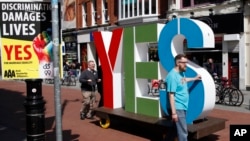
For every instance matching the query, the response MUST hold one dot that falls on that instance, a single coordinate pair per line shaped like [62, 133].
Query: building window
[192, 3]
[94, 13]
[105, 15]
[153, 53]
[84, 14]
[137, 8]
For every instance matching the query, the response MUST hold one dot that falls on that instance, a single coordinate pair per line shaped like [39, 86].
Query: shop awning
[202, 51]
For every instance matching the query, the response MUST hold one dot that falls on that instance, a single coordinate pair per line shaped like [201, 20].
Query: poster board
[26, 40]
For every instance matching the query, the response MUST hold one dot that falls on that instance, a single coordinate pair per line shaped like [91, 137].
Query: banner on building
[69, 14]
[26, 40]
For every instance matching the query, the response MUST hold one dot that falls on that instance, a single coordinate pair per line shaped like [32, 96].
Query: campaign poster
[26, 40]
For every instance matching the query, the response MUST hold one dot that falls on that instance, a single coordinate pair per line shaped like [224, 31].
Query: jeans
[181, 125]
[179, 128]
[78, 73]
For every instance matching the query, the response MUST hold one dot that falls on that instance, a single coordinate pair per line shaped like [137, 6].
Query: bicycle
[155, 86]
[69, 79]
[227, 93]
[49, 81]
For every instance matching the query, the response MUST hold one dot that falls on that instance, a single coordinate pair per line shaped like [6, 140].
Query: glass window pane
[123, 4]
[186, 3]
[135, 8]
[140, 8]
[146, 7]
[154, 7]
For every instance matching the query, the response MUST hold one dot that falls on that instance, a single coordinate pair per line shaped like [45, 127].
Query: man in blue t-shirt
[177, 90]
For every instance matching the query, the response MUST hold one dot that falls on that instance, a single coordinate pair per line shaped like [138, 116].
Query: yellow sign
[26, 40]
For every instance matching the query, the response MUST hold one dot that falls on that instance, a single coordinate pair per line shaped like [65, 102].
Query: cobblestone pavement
[13, 118]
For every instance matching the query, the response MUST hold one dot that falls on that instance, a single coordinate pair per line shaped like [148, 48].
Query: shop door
[84, 56]
[202, 58]
[233, 69]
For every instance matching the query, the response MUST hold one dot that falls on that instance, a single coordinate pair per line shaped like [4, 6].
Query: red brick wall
[113, 11]
[78, 13]
[99, 11]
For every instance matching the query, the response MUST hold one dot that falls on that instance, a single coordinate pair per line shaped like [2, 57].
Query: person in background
[91, 96]
[100, 85]
[195, 60]
[66, 67]
[177, 91]
[78, 68]
[212, 68]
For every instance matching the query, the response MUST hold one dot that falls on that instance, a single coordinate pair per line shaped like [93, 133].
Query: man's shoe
[82, 116]
[89, 116]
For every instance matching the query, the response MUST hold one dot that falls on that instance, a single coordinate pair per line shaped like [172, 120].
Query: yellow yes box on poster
[19, 61]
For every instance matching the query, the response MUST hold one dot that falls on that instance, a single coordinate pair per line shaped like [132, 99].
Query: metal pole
[57, 86]
[34, 104]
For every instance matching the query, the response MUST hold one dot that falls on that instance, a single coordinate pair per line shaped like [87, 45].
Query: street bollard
[34, 105]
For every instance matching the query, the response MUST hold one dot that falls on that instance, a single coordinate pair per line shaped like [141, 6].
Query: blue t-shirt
[176, 84]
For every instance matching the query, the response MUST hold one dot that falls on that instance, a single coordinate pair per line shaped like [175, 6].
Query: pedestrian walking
[91, 96]
[177, 91]
[78, 68]
[212, 68]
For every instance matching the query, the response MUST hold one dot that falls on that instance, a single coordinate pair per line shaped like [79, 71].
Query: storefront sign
[225, 23]
[69, 14]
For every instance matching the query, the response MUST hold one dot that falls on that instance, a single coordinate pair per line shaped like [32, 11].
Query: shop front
[70, 48]
[86, 49]
[228, 44]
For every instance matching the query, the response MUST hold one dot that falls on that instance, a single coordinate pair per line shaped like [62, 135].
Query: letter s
[198, 35]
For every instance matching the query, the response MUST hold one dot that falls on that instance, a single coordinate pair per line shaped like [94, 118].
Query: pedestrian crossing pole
[56, 54]
[34, 103]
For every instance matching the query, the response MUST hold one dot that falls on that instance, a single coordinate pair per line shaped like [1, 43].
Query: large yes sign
[198, 35]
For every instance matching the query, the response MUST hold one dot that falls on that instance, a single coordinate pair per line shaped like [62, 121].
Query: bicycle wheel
[231, 96]
[219, 94]
[155, 91]
[73, 80]
[67, 81]
[162, 84]
[62, 81]
[241, 97]
[46, 81]
[70, 81]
